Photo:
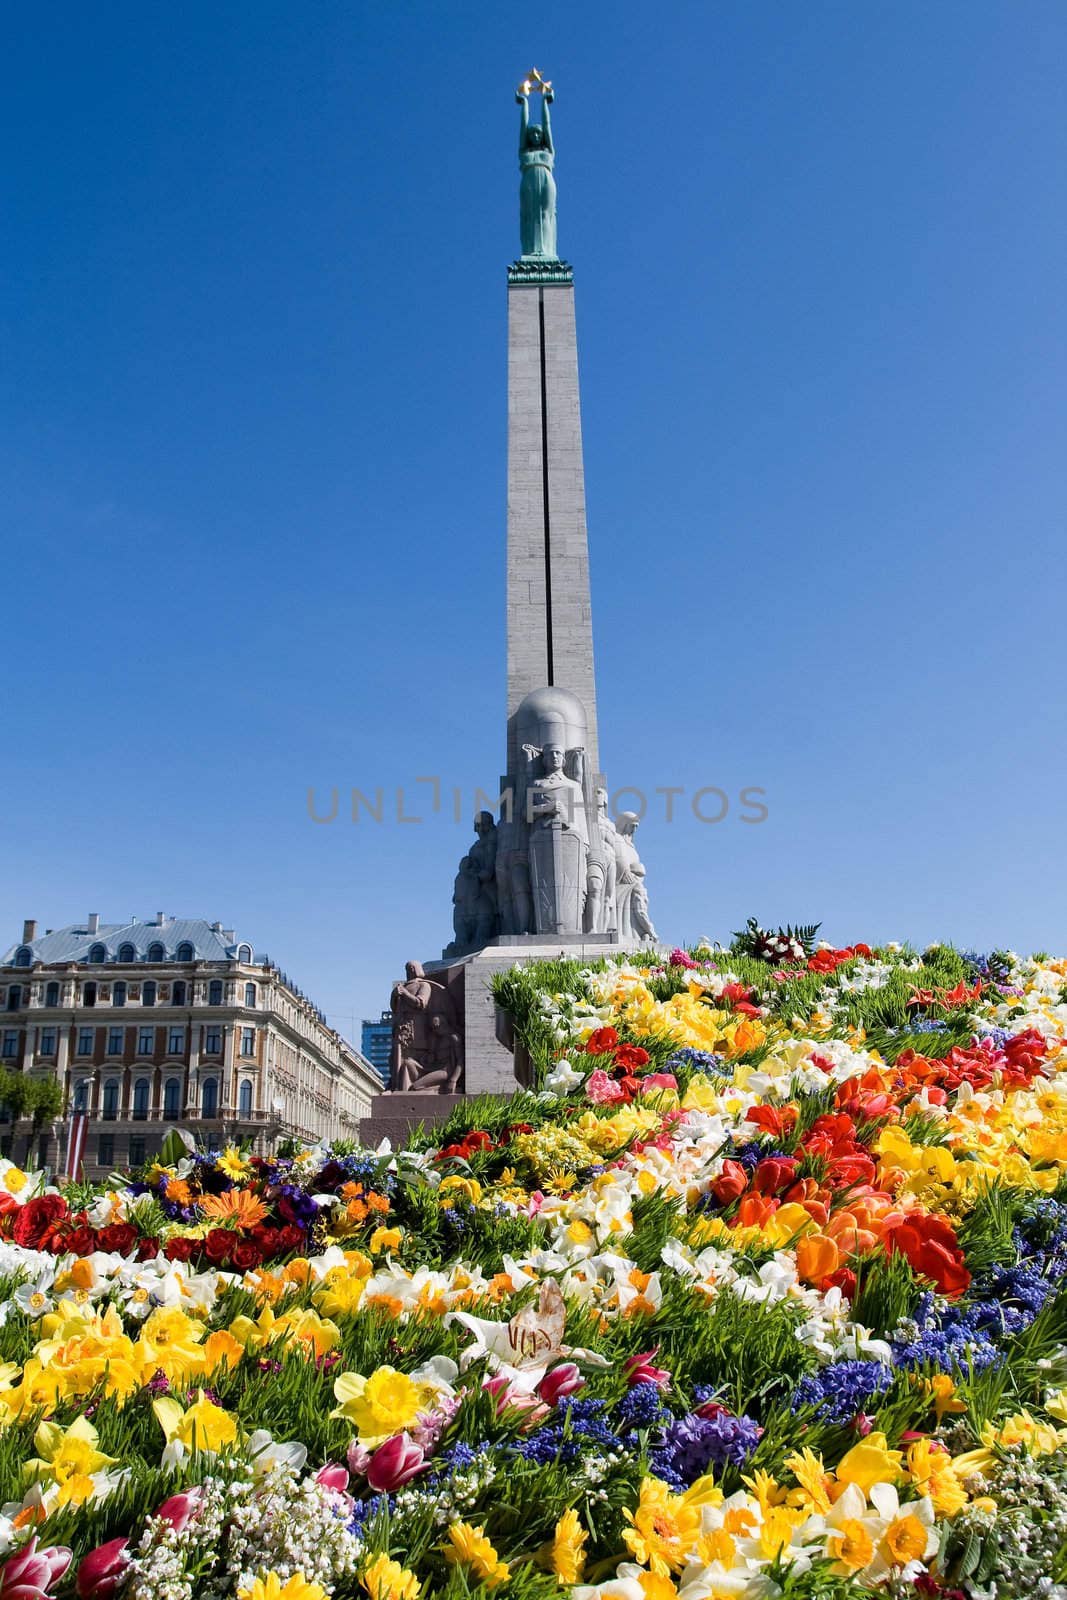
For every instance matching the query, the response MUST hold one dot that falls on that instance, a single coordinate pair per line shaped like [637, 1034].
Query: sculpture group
[554, 864]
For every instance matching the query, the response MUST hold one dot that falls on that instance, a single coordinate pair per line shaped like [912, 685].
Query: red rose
[245, 1256]
[36, 1218]
[601, 1040]
[79, 1242]
[631, 1056]
[291, 1238]
[217, 1245]
[147, 1249]
[179, 1249]
[118, 1238]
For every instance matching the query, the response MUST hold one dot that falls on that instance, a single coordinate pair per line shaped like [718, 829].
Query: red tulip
[333, 1476]
[103, 1570]
[560, 1382]
[30, 1573]
[639, 1369]
[180, 1509]
[395, 1462]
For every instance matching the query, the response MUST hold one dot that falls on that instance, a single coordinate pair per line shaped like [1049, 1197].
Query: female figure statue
[537, 187]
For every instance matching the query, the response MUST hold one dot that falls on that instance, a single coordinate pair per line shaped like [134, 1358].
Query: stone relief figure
[631, 898]
[600, 898]
[427, 1053]
[537, 187]
[559, 839]
[475, 914]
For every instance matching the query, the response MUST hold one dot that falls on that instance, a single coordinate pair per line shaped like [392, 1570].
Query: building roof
[210, 941]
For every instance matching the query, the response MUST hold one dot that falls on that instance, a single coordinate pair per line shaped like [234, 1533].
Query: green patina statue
[537, 188]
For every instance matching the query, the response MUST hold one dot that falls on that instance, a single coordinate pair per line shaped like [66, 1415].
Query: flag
[76, 1133]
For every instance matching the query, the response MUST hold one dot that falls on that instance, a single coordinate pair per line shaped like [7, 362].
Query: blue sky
[252, 456]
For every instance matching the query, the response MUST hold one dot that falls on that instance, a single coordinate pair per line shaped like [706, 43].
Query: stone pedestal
[395, 1115]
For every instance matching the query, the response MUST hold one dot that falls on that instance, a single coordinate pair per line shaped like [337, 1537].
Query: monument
[553, 874]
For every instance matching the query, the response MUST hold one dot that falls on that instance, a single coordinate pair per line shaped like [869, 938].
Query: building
[171, 1023]
[377, 1043]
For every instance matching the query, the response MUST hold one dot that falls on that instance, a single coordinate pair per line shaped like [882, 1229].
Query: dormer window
[244, 953]
[97, 955]
[156, 952]
[24, 957]
[126, 953]
[184, 952]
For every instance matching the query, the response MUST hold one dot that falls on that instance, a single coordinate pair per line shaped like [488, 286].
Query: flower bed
[762, 1291]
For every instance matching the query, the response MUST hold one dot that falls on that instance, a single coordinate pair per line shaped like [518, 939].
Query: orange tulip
[817, 1257]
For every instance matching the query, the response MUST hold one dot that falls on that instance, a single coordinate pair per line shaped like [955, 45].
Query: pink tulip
[639, 1369]
[658, 1080]
[180, 1509]
[30, 1573]
[103, 1570]
[333, 1476]
[358, 1459]
[395, 1462]
[560, 1382]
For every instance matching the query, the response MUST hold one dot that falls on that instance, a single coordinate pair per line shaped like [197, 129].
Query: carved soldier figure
[465, 897]
[631, 898]
[483, 859]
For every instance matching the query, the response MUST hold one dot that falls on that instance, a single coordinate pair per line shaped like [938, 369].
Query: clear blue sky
[252, 455]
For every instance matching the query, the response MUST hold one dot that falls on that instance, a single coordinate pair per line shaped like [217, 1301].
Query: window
[148, 993]
[248, 1041]
[175, 1041]
[115, 1039]
[89, 994]
[214, 992]
[146, 1041]
[140, 1099]
[184, 951]
[212, 1041]
[118, 994]
[14, 997]
[51, 995]
[172, 1097]
[244, 953]
[250, 994]
[245, 1101]
[137, 1151]
[105, 1150]
[81, 1095]
[86, 1039]
[10, 1048]
[156, 952]
[209, 1099]
[47, 1046]
[97, 955]
[126, 953]
[24, 957]
[111, 1099]
[178, 998]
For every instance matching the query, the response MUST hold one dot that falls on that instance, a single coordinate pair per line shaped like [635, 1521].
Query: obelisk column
[550, 628]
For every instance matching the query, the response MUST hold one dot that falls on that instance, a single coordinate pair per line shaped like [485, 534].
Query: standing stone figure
[513, 888]
[465, 897]
[427, 1052]
[559, 842]
[600, 901]
[537, 187]
[631, 897]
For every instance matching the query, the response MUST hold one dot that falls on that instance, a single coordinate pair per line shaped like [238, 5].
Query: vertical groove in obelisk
[544, 488]
[550, 631]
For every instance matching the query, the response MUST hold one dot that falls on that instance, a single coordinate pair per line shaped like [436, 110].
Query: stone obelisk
[549, 620]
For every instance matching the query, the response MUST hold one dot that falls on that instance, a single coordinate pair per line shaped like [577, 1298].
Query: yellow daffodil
[200, 1426]
[384, 1579]
[468, 1547]
[385, 1403]
[69, 1457]
[272, 1587]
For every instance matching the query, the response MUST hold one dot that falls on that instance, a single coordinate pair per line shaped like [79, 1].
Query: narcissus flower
[468, 1547]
